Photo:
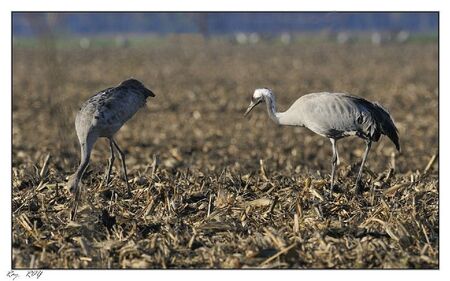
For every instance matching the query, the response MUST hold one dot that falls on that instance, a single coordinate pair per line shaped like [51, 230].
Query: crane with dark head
[103, 115]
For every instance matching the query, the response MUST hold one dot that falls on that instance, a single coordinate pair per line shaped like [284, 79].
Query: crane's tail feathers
[387, 125]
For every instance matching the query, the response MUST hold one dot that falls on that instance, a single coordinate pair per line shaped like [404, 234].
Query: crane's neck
[273, 114]
[281, 118]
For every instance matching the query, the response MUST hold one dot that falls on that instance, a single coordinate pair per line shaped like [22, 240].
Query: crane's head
[136, 84]
[257, 98]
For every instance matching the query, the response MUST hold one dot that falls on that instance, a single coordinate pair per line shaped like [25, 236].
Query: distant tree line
[26, 24]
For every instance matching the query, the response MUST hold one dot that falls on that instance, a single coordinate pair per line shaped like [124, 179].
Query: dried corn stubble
[201, 196]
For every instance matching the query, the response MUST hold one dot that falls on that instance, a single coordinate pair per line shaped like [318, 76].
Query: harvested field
[212, 189]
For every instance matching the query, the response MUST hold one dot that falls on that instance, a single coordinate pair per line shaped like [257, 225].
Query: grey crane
[335, 116]
[103, 115]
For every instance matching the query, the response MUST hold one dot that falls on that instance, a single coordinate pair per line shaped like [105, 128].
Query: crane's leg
[334, 161]
[75, 179]
[110, 164]
[122, 158]
[358, 179]
[337, 156]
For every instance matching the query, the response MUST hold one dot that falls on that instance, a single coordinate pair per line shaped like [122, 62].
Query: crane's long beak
[250, 107]
[149, 93]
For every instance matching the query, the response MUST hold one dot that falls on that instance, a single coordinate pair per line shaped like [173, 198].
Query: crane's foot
[128, 195]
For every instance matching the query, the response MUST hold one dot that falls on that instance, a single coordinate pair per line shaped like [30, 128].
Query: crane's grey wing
[336, 115]
[109, 109]
[327, 114]
[85, 116]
